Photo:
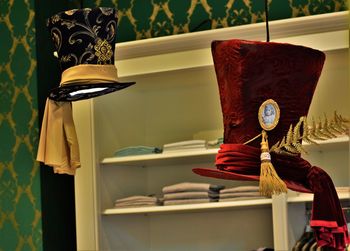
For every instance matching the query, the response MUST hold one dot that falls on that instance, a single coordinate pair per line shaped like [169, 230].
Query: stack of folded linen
[185, 146]
[240, 193]
[137, 150]
[190, 193]
[136, 201]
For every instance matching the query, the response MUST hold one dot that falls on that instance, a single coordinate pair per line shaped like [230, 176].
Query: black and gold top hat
[84, 40]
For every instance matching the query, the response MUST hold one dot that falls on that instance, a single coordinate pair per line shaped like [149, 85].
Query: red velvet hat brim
[221, 174]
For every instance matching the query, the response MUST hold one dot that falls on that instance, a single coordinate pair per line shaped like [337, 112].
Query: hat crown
[84, 36]
[250, 73]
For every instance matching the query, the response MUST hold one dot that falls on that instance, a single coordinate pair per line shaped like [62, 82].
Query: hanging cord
[81, 4]
[205, 21]
[267, 21]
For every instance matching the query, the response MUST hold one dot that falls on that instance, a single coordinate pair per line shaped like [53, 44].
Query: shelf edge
[208, 152]
[189, 207]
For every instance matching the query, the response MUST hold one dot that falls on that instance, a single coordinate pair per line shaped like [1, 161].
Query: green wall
[20, 205]
[139, 19]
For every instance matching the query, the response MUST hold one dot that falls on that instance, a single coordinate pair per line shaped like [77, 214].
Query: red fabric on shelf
[241, 162]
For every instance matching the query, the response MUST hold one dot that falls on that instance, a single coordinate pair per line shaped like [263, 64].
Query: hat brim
[75, 92]
[220, 174]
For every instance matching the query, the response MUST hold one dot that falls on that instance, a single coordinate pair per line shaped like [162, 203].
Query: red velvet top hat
[250, 73]
[256, 80]
[85, 43]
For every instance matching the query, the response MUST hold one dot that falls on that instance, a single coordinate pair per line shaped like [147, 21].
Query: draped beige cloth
[58, 144]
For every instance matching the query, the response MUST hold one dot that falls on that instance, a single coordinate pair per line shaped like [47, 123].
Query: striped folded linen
[185, 146]
[242, 198]
[236, 195]
[240, 189]
[188, 201]
[196, 142]
[137, 198]
[191, 187]
[191, 195]
[136, 201]
[136, 204]
[185, 149]
[342, 189]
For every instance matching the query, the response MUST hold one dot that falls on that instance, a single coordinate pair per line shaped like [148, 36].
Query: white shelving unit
[175, 98]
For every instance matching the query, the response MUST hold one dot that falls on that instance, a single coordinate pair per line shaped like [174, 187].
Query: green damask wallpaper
[154, 18]
[20, 205]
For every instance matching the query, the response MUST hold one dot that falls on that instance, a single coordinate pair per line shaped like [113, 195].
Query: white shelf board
[307, 197]
[203, 156]
[189, 208]
[329, 144]
[182, 157]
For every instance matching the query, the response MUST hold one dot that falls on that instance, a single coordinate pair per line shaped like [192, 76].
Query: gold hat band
[89, 74]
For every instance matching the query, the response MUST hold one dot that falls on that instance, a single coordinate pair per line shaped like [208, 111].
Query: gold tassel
[270, 182]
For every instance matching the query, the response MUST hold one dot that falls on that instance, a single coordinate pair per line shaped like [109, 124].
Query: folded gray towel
[190, 195]
[190, 201]
[235, 195]
[191, 187]
[240, 189]
[241, 198]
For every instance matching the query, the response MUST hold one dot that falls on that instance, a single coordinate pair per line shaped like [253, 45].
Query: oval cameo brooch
[269, 114]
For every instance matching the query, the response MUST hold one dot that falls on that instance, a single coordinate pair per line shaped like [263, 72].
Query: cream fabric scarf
[58, 145]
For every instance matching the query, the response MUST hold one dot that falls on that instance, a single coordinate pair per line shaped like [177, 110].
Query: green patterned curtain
[139, 19]
[20, 206]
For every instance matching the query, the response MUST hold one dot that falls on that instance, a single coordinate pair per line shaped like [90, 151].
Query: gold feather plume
[318, 130]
